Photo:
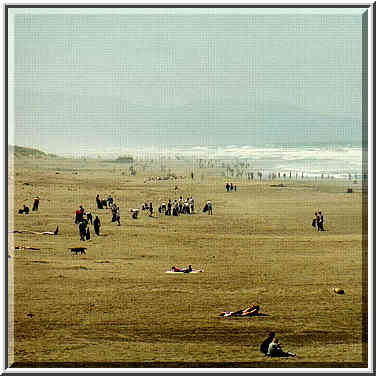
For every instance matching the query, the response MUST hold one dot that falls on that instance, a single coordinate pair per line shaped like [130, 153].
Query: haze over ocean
[282, 85]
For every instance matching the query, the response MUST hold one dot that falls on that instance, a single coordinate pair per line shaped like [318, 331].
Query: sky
[88, 80]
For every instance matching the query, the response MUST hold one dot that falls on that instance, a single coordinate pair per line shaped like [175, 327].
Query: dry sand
[116, 306]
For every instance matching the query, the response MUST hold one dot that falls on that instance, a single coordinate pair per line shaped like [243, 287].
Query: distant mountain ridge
[21, 152]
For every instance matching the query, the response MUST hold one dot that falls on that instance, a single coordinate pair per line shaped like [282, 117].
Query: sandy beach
[115, 306]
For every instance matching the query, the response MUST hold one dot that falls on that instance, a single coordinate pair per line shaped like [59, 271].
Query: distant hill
[20, 152]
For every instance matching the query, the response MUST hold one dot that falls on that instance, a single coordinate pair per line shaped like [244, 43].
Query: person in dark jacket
[89, 217]
[82, 228]
[97, 224]
[88, 233]
[36, 204]
[267, 341]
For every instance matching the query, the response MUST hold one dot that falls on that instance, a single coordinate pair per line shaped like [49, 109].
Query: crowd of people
[176, 207]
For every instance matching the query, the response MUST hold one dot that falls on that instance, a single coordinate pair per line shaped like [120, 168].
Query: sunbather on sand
[36, 232]
[251, 310]
[179, 270]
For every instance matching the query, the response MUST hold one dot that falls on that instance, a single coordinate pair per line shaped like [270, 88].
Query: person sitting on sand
[264, 348]
[275, 350]
[134, 213]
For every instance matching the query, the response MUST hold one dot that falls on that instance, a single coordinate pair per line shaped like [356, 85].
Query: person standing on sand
[36, 204]
[99, 202]
[317, 221]
[118, 215]
[113, 209]
[192, 204]
[169, 205]
[82, 229]
[151, 209]
[210, 207]
[97, 225]
[314, 220]
[320, 225]
[89, 217]
[88, 233]
[110, 201]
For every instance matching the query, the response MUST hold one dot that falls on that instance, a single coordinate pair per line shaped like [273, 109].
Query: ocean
[337, 161]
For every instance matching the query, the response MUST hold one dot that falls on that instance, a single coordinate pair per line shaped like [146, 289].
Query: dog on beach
[77, 250]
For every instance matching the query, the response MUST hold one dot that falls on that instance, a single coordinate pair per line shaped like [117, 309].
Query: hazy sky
[88, 80]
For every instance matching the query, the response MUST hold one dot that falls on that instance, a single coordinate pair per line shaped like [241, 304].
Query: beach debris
[338, 290]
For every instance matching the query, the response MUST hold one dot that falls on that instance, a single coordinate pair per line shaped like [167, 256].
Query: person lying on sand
[26, 247]
[36, 232]
[250, 310]
[179, 270]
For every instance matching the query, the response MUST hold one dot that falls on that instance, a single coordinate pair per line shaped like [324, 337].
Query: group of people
[179, 206]
[104, 203]
[83, 219]
[230, 187]
[318, 221]
[26, 209]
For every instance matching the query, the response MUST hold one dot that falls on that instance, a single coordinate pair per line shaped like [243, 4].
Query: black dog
[78, 250]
